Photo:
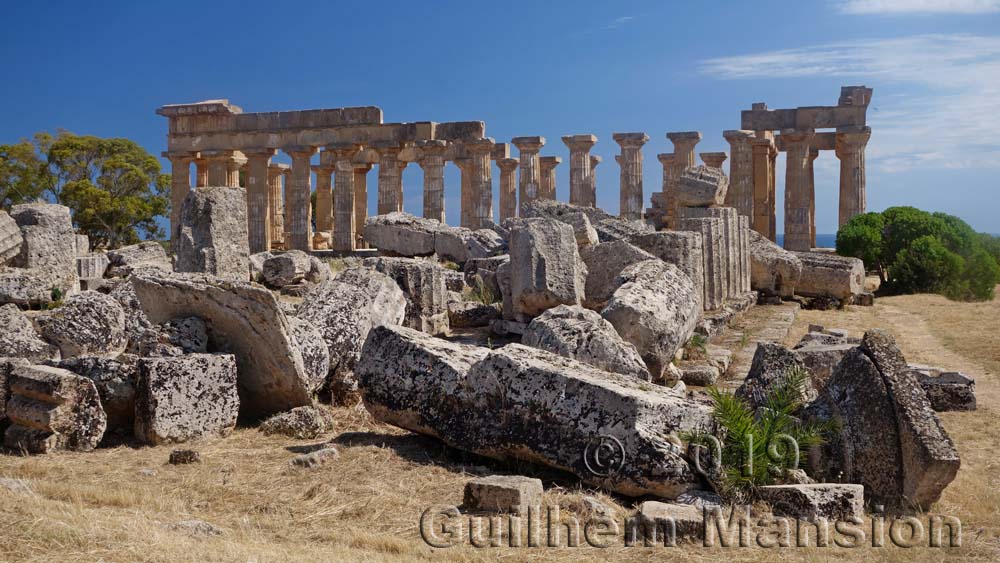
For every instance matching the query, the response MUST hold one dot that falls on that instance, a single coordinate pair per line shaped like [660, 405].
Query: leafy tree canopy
[24, 172]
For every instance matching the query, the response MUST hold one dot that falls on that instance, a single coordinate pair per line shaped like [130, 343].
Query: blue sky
[541, 68]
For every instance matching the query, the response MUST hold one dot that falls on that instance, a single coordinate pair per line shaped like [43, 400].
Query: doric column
[180, 185]
[258, 191]
[630, 160]
[740, 194]
[850, 148]
[764, 202]
[360, 203]
[797, 232]
[580, 192]
[713, 159]
[530, 174]
[811, 194]
[344, 226]
[431, 161]
[480, 183]
[661, 204]
[684, 143]
[275, 201]
[297, 197]
[547, 176]
[594, 161]
[390, 178]
[508, 187]
[465, 207]
[218, 167]
[286, 206]
[233, 167]
[201, 172]
[324, 197]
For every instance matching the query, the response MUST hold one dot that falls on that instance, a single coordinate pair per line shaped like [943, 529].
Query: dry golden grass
[366, 505]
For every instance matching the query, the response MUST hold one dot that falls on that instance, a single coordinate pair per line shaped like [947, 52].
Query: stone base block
[511, 494]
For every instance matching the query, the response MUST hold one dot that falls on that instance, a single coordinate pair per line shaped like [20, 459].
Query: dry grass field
[120, 504]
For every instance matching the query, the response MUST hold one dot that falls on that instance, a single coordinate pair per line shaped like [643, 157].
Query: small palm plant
[760, 446]
[696, 347]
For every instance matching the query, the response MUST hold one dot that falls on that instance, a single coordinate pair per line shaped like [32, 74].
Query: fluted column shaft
[529, 173]
[180, 185]
[594, 161]
[300, 228]
[276, 207]
[258, 208]
[797, 232]
[233, 167]
[811, 195]
[390, 180]
[580, 192]
[480, 183]
[201, 172]
[764, 219]
[547, 176]
[850, 149]
[667, 161]
[740, 194]
[218, 167]
[630, 160]
[360, 203]
[508, 187]
[432, 166]
[324, 197]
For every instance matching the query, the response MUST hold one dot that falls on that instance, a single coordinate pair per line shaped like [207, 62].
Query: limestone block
[654, 308]
[949, 391]
[52, 409]
[772, 268]
[834, 502]
[315, 354]
[174, 338]
[88, 324]
[509, 494]
[583, 335]
[7, 366]
[115, 382]
[701, 374]
[467, 314]
[608, 227]
[257, 264]
[489, 402]
[713, 258]
[545, 267]
[303, 423]
[127, 259]
[586, 234]
[605, 261]
[82, 245]
[682, 249]
[506, 293]
[136, 322]
[702, 186]
[460, 245]
[10, 238]
[183, 398]
[388, 299]
[18, 339]
[663, 523]
[286, 268]
[213, 237]
[771, 365]
[733, 258]
[242, 319]
[401, 234]
[481, 274]
[92, 266]
[34, 287]
[826, 274]
[49, 239]
[319, 271]
[422, 281]
[821, 359]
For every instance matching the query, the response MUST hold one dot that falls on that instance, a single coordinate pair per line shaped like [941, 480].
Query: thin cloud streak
[902, 7]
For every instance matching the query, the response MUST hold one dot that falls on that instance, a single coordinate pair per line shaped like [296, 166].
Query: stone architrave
[508, 188]
[630, 160]
[276, 202]
[180, 185]
[547, 187]
[713, 159]
[390, 178]
[740, 194]
[580, 182]
[797, 206]
[432, 163]
[850, 148]
[258, 199]
[530, 172]
[300, 229]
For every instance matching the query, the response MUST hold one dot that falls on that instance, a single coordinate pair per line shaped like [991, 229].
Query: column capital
[362, 166]
[796, 136]
[343, 151]
[850, 141]
[323, 169]
[480, 146]
[508, 164]
[594, 161]
[528, 144]
[738, 135]
[260, 152]
[387, 148]
[630, 139]
[547, 163]
[580, 142]
[300, 151]
[684, 136]
[813, 154]
[180, 155]
[713, 159]
[666, 159]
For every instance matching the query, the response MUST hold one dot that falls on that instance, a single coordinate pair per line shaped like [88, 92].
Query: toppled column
[508, 188]
[258, 199]
[344, 228]
[684, 143]
[276, 202]
[324, 197]
[530, 178]
[740, 194]
[580, 183]
[850, 148]
[480, 172]
[547, 186]
[180, 185]
[713, 159]
[797, 230]
[764, 219]
[630, 160]
[53, 409]
[298, 197]
[360, 202]
[701, 189]
[390, 178]
[432, 161]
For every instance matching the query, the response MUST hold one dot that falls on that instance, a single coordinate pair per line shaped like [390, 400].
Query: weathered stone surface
[213, 235]
[257, 264]
[184, 457]
[52, 409]
[835, 502]
[401, 234]
[49, 239]
[7, 366]
[180, 399]
[826, 274]
[136, 322]
[821, 359]
[242, 319]
[18, 338]
[605, 261]
[663, 523]
[948, 391]
[713, 266]
[608, 227]
[422, 281]
[454, 281]
[315, 354]
[176, 337]
[682, 249]
[35, 287]
[115, 382]
[545, 267]
[88, 324]
[461, 245]
[702, 186]
[655, 308]
[316, 458]
[303, 423]
[319, 271]
[581, 334]
[128, 259]
[466, 314]
[481, 274]
[285, 268]
[586, 234]
[772, 364]
[510, 494]
[698, 373]
[92, 267]
[773, 268]
[10, 238]
[489, 402]
[388, 300]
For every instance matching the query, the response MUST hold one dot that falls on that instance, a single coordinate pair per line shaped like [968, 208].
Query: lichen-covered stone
[388, 300]
[461, 245]
[772, 365]
[18, 338]
[509, 494]
[145, 255]
[422, 281]
[183, 398]
[401, 234]
[7, 366]
[545, 266]
[605, 261]
[52, 409]
[834, 502]
[88, 324]
[948, 391]
[315, 355]
[655, 308]
[115, 382]
[582, 334]
[303, 423]
[820, 360]
[826, 274]
[702, 186]
[213, 235]
[49, 238]
[176, 337]
[285, 268]
[10, 238]
[772, 268]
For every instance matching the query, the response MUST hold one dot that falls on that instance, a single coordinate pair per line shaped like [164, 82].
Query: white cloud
[865, 7]
[620, 21]
[936, 100]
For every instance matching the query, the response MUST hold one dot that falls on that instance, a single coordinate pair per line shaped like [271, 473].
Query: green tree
[862, 237]
[926, 266]
[24, 172]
